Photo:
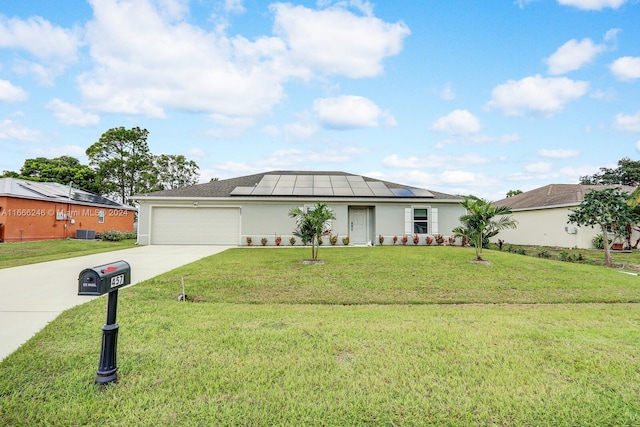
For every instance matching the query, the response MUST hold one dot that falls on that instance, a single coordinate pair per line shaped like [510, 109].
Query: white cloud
[593, 4]
[558, 153]
[38, 37]
[51, 48]
[626, 68]
[447, 93]
[66, 150]
[573, 55]
[457, 122]
[347, 112]
[234, 6]
[627, 123]
[68, 114]
[299, 130]
[536, 94]
[433, 161]
[336, 41]
[196, 153]
[540, 167]
[611, 36]
[11, 93]
[147, 66]
[457, 177]
[12, 130]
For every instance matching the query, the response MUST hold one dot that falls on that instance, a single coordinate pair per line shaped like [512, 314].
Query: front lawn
[375, 336]
[15, 254]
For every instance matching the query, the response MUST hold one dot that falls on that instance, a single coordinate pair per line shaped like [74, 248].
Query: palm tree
[479, 225]
[311, 224]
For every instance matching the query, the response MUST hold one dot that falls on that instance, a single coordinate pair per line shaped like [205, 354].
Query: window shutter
[408, 223]
[434, 220]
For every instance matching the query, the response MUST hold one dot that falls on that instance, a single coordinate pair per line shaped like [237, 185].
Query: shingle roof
[554, 195]
[245, 185]
[54, 192]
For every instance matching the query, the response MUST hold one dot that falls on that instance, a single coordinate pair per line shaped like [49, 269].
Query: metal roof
[54, 192]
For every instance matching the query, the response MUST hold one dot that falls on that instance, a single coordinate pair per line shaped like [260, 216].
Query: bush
[598, 241]
[116, 236]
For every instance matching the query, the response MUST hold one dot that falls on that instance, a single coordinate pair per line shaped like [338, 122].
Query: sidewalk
[33, 295]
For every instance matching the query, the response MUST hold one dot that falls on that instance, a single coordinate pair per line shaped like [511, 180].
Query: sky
[457, 96]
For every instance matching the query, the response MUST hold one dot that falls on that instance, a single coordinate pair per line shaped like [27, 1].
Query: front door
[358, 225]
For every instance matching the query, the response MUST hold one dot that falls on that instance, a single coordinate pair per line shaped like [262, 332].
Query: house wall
[390, 219]
[268, 219]
[546, 227]
[28, 219]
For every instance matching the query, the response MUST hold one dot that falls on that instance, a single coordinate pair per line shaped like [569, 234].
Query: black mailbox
[104, 278]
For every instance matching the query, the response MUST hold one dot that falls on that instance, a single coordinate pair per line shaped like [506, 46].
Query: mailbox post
[100, 280]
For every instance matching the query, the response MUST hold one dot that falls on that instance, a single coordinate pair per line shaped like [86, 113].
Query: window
[101, 216]
[420, 221]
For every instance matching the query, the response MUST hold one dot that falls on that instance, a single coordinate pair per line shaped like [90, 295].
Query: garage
[195, 226]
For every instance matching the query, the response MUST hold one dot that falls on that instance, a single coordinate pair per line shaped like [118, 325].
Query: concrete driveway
[33, 295]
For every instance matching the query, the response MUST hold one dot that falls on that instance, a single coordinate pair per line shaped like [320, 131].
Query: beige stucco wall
[270, 218]
[546, 227]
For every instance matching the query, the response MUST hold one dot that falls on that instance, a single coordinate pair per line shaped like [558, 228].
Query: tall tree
[479, 223]
[627, 173]
[122, 161]
[607, 208]
[172, 171]
[311, 224]
[63, 170]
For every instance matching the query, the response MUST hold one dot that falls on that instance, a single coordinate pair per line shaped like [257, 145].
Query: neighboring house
[32, 210]
[542, 216]
[226, 212]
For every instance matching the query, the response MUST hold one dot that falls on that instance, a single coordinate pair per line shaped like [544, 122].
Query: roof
[554, 195]
[54, 192]
[301, 184]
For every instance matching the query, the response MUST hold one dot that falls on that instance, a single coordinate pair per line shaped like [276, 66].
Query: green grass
[375, 336]
[15, 254]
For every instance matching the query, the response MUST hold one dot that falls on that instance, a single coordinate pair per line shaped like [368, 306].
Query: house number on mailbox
[117, 280]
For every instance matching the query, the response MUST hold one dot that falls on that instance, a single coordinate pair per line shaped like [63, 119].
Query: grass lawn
[15, 254]
[375, 336]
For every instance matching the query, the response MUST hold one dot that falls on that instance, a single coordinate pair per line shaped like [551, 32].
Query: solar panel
[402, 192]
[325, 185]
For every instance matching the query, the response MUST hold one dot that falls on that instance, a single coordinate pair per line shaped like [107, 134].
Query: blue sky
[462, 97]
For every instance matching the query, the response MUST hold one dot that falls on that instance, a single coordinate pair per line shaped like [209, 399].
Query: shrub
[428, 240]
[333, 240]
[249, 240]
[598, 241]
[416, 239]
[381, 239]
[395, 239]
[116, 236]
[263, 241]
[345, 241]
[405, 239]
[439, 239]
[292, 240]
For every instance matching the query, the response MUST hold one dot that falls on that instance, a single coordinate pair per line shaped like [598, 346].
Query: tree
[607, 208]
[122, 161]
[512, 193]
[172, 171]
[627, 173]
[478, 224]
[63, 170]
[311, 224]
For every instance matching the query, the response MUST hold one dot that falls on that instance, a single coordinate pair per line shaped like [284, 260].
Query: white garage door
[195, 226]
